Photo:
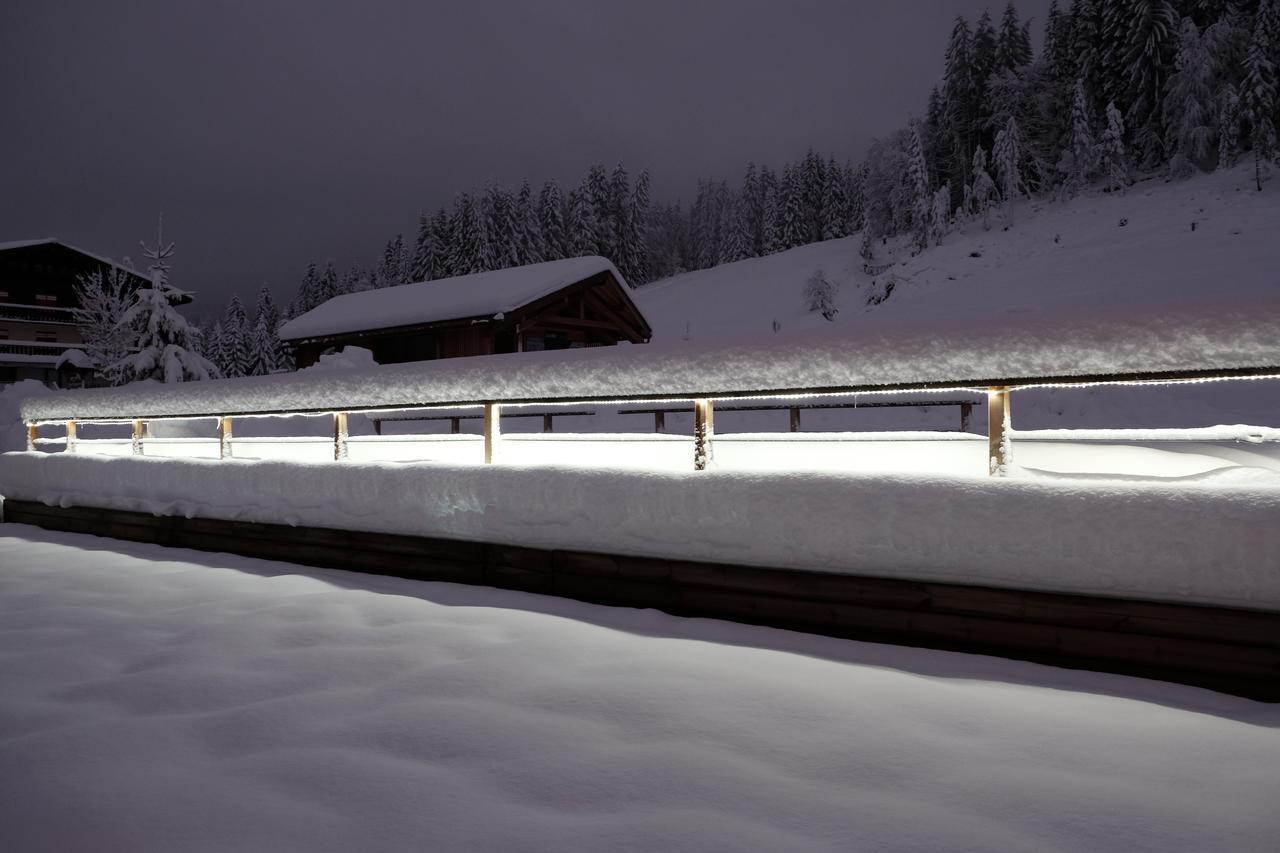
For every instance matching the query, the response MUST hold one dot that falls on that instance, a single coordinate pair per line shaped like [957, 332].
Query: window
[46, 337]
[46, 299]
[554, 339]
[4, 296]
[4, 334]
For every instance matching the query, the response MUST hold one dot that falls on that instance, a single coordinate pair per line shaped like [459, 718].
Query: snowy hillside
[1211, 238]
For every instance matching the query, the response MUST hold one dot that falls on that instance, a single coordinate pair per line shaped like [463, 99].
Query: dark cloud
[272, 133]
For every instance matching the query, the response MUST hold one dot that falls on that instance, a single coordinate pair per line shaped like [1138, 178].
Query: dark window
[46, 337]
[46, 299]
[8, 374]
[555, 340]
[4, 334]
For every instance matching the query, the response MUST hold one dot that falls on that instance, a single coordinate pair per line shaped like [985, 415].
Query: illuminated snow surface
[160, 700]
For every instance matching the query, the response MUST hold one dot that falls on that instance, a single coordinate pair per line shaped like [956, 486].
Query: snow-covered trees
[1078, 160]
[103, 301]
[1259, 86]
[820, 295]
[162, 349]
[1008, 160]
[918, 186]
[1188, 112]
[982, 195]
[1111, 154]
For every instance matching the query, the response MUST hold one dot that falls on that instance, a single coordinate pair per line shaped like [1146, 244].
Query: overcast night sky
[273, 133]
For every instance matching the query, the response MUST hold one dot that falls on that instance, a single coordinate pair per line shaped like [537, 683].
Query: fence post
[339, 436]
[455, 426]
[224, 438]
[998, 420]
[795, 418]
[546, 423]
[704, 429]
[33, 432]
[659, 421]
[966, 413]
[492, 430]
[137, 437]
[71, 436]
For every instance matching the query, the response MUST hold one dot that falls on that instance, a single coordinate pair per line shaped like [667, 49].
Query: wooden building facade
[37, 302]
[587, 308]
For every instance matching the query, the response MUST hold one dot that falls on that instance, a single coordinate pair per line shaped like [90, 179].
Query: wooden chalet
[576, 302]
[37, 298]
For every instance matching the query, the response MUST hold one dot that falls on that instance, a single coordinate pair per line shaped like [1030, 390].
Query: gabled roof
[44, 241]
[486, 294]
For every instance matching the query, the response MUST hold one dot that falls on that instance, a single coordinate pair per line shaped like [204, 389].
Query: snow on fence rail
[999, 357]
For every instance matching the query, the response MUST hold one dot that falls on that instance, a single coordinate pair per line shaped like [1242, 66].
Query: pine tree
[163, 347]
[791, 223]
[983, 192]
[918, 187]
[235, 346]
[580, 231]
[637, 258]
[268, 352]
[960, 101]
[1007, 155]
[1188, 105]
[551, 221]
[1013, 45]
[442, 231]
[306, 298]
[738, 245]
[500, 228]
[327, 285]
[596, 192]
[820, 295]
[1077, 163]
[753, 210]
[770, 213]
[835, 204]
[1259, 87]
[1228, 126]
[1151, 40]
[1111, 152]
[472, 252]
[940, 215]
[424, 251]
[532, 247]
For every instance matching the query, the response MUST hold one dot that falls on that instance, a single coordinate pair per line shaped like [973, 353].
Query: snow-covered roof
[971, 352]
[22, 244]
[485, 294]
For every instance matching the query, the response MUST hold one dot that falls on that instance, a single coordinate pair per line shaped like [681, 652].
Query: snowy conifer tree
[425, 250]
[472, 252]
[791, 223]
[162, 349]
[1111, 152]
[1228, 126]
[1013, 45]
[1151, 39]
[637, 230]
[983, 192]
[1188, 112]
[918, 187]
[1008, 161]
[940, 216]
[770, 213]
[1259, 87]
[835, 203]
[551, 221]
[820, 295]
[1077, 163]
[531, 246]
[236, 345]
[580, 231]
[267, 352]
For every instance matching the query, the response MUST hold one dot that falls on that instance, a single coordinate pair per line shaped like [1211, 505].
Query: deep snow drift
[1210, 538]
[161, 700]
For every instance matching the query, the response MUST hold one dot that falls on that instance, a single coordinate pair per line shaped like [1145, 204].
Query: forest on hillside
[1121, 89]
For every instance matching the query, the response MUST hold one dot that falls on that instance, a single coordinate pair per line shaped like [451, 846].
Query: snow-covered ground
[162, 700]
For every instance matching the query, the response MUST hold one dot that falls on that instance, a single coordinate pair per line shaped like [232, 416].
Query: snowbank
[1200, 541]
[965, 352]
[13, 432]
[161, 700]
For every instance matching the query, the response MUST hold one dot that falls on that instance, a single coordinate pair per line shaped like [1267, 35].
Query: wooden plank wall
[1231, 650]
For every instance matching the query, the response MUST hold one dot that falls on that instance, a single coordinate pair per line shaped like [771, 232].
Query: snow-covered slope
[1212, 238]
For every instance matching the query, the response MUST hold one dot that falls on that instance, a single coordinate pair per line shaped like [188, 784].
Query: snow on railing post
[997, 430]
[492, 430]
[33, 432]
[339, 436]
[704, 429]
[224, 438]
[138, 428]
[71, 436]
